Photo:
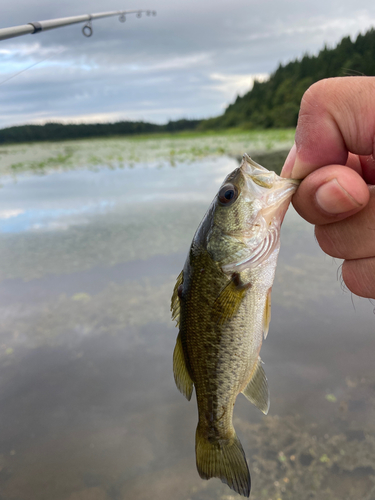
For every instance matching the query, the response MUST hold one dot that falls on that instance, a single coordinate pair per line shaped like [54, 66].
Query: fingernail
[294, 167]
[334, 199]
[299, 169]
[289, 162]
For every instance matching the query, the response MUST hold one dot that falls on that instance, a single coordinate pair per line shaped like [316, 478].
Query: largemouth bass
[221, 302]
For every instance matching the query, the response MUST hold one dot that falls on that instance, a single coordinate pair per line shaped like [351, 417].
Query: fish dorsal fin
[256, 390]
[175, 302]
[267, 314]
[229, 300]
[180, 372]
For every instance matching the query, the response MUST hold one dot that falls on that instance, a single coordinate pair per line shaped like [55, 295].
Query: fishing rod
[37, 26]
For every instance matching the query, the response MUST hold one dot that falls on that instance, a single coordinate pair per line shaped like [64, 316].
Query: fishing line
[31, 66]
[36, 27]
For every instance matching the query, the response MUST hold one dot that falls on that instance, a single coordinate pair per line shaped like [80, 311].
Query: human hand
[334, 154]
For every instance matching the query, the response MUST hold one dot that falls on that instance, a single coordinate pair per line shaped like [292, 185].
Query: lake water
[88, 405]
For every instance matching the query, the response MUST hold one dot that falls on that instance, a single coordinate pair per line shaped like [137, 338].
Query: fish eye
[227, 194]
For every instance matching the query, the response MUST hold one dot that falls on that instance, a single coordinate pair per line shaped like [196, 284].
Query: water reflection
[61, 199]
[89, 410]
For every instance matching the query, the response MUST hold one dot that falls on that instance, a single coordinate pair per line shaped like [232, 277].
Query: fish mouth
[271, 194]
[272, 191]
[263, 177]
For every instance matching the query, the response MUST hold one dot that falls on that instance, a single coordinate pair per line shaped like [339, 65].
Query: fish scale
[221, 302]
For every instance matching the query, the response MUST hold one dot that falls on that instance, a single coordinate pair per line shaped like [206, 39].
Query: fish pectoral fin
[175, 302]
[267, 315]
[180, 372]
[229, 300]
[256, 390]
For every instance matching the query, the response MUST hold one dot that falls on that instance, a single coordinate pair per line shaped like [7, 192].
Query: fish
[221, 303]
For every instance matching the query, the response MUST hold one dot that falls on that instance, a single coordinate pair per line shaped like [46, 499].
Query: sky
[189, 61]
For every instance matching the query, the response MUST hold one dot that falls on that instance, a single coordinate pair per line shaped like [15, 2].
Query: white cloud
[329, 29]
[190, 61]
[22, 50]
[8, 214]
[235, 84]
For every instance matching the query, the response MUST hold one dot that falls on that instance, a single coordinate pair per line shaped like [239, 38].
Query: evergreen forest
[275, 103]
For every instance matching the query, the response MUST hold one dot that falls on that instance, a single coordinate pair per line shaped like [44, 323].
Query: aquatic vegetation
[119, 152]
[300, 459]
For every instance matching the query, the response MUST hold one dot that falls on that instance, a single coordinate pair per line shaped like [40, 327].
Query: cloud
[9, 214]
[236, 84]
[191, 60]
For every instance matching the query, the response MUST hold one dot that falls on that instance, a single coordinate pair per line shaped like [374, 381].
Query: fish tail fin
[223, 458]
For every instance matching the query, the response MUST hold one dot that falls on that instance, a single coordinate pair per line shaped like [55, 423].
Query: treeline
[59, 131]
[273, 103]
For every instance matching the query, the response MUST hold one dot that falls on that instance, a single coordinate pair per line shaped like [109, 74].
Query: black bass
[222, 302]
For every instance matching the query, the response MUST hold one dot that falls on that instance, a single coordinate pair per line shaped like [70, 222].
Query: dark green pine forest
[273, 103]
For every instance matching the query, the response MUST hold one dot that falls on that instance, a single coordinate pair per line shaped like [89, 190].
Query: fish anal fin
[175, 302]
[267, 314]
[256, 390]
[180, 372]
[229, 300]
[223, 458]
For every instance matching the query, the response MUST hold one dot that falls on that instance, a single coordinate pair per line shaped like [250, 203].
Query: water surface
[89, 410]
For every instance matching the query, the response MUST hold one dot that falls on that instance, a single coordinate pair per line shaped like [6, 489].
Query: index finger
[336, 118]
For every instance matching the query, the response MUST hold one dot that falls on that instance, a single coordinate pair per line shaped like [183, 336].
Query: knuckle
[357, 275]
[330, 241]
[313, 96]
